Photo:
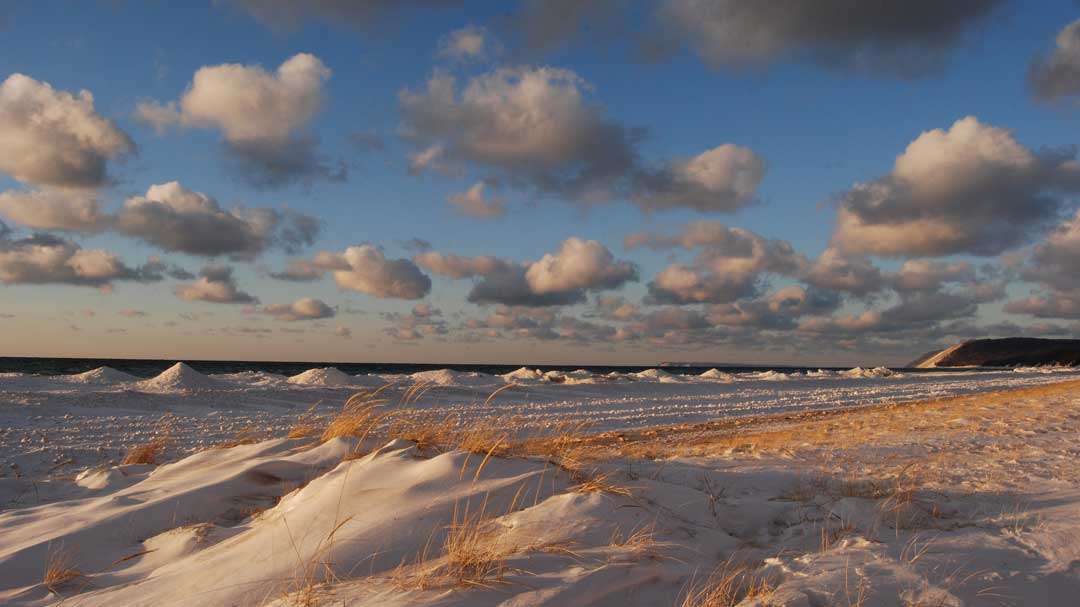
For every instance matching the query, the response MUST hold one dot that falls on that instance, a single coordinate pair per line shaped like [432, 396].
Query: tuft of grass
[802, 491]
[853, 597]
[599, 483]
[60, 569]
[863, 488]
[639, 544]
[489, 435]
[357, 417]
[486, 433]
[415, 392]
[146, 453]
[368, 414]
[560, 442]
[429, 431]
[474, 554]
[360, 414]
[831, 535]
[307, 423]
[304, 588]
[474, 549]
[497, 392]
[713, 494]
[416, 575]
[904, 504]
[151, 452]
[729, 584]
[1016, 521]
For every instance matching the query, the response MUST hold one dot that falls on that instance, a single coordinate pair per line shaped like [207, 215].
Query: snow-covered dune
[297, 522]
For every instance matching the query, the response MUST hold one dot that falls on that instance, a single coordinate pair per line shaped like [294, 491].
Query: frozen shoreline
[61, 424]
[947, 502]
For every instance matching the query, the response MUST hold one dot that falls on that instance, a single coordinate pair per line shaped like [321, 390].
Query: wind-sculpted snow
[941, 504]
[185, 534]
[990, 482]
[67, 423]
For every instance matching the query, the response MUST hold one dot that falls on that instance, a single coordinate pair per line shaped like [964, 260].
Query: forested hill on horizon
[1005, 352]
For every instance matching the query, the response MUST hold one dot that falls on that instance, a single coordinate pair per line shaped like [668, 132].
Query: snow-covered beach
[64, 423]
[270, 271]
[952, 500]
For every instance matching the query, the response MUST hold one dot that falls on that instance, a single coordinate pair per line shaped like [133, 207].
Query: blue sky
[817, 129]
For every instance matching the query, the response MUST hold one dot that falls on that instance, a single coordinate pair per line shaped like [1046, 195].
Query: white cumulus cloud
[175, 218]
[578, 264]
[724, 178]
[366, 269]
[305, 308]
[262, 115]
[53, 137]
[969, 189]
[50, 208]
[216, 284]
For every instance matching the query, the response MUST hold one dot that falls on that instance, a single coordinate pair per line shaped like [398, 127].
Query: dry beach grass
[61, 569]
[992, 413]
[892, 456]
[864, 506]
[152, 451]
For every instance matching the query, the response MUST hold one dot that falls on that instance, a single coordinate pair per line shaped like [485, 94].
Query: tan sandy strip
[860, 423]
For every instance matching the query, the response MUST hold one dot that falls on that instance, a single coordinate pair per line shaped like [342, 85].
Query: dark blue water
[150, 368]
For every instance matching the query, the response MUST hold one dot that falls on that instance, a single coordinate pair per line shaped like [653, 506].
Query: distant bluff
[1007, 352]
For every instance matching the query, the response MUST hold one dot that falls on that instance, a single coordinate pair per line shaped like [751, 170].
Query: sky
[565, 182]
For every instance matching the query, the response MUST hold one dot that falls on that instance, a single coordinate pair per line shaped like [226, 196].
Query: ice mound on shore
[860, 372]
[253, 378]
[326, 376]
[449, 377]
[615, 376]
[658, 375]
[717, 375]
[1045, 369]
[180, 377]
[523, 374]
[578, 376]
[769, 376]
[102, 375]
